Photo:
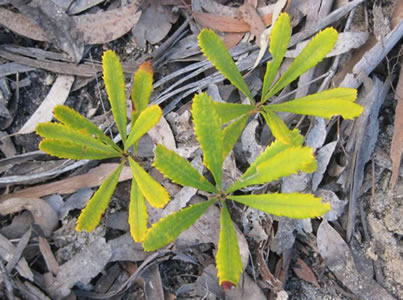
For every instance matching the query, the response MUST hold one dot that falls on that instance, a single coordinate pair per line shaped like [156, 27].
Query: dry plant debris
[50, 54]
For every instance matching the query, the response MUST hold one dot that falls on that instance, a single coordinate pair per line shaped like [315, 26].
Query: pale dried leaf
[57, 95]
[162, 134]
[396, 150]
[336, 205]
[338, 258]
[246, 289]
[69, 185]
[7, 250]
[107, 26]
[44, 215]
[323, 158]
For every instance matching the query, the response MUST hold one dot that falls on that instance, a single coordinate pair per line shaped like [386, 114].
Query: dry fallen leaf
[396, 150]
[339, 260]
[250, 16]
[99, 28]
[304, 272]
[69, 185]
[57, 95]
[44, 215]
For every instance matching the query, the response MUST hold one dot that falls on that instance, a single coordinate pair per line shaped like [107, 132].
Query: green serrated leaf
[179, 170]
[71, 118]
[168, 229]
[71, 150]
[214, 49]
[141, 89]
[230, 111]
[147, 119]
[228, 258]
[275, 148]
[279, 40]
[155, 194]
[115, 88]
[92, 213]
[283, 164]
[292, 205]
[311, 55]
[326, 104]
[277, 126]
[232, 133]
[138, 215]
[208, 131]
[61, 132]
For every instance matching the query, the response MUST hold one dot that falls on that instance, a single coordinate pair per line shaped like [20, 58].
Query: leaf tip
[227, 285]
[147, 66]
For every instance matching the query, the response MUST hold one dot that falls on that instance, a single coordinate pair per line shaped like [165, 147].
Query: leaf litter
[377, 214]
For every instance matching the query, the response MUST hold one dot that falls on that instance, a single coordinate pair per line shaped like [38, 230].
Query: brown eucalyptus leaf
[304, 272]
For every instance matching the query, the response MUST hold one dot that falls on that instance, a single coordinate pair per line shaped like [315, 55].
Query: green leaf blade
[91, 215]
[155, 194]
[147, 119]
[214, 49]
[142, 89]
[283, 164]
[292, 205]
[168, 229]
[326, 104]
[311, 55]
[208, 131]
[279, 40]
[61, 132]
[232, 133]
[229, 263]
[115, 88]
[71, 118]
[277, 126]
[179, 170]
[138, 215]
[230, 111]
[71, 150]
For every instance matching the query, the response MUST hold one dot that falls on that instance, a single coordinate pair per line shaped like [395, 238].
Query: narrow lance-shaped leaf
[229, 263]
[141, 89]
[207, 126]
[213, 47]
[293, 205]
[279, 40]
[232, 133]
[115, 88]
[326, 104]
[311, 55]
[285, 163]
[230, 111]
[147, 119]
[71, 150]
[277, 126]
[168, 229]
[91, 214]
[73, 119]
[137, 213]
[61, 132]
[151, 190]
[179, 170]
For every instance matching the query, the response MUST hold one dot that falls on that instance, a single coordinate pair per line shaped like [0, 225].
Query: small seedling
[326, 104]
[75, 137]
[277, 161]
